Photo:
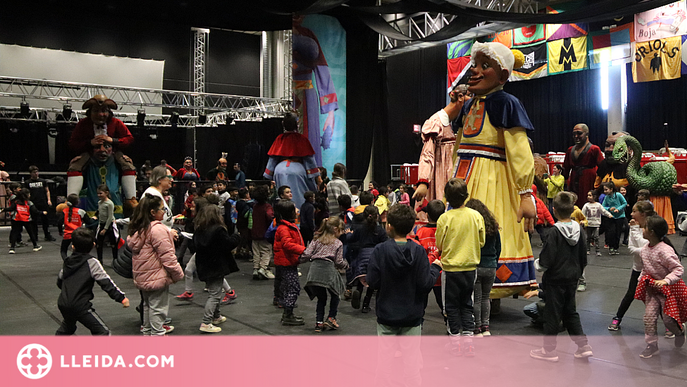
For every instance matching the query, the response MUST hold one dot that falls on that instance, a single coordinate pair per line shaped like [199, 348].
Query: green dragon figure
[657, 177]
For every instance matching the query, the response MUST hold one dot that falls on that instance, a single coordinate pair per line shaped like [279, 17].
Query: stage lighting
[141, 117]
[202, 118]
[67, 111]
[24, 109]
[174, 119]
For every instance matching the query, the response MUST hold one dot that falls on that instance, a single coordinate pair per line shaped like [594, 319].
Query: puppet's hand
[420, 192]
[528, 211]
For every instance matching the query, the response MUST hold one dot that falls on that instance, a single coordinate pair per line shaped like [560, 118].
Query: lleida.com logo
[34, 361]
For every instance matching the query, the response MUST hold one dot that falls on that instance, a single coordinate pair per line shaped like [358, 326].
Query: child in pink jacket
[155, 266]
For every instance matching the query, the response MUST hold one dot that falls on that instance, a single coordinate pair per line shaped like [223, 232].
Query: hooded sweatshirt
[403, 276]
[79, 272]
[564, 255]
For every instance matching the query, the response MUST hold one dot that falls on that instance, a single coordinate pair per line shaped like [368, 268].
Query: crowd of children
[373, 237]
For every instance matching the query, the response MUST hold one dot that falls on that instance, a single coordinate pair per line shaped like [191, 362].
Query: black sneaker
[50, 238]
[649, 351]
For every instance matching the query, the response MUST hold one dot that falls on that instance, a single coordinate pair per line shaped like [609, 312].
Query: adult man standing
[240, 177]
[580, 164]
[219, 172]
[40, 196]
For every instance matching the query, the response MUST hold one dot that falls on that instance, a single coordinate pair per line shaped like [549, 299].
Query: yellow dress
[497, 165]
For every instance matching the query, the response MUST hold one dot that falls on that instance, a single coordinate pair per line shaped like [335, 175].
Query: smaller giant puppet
[292, 162]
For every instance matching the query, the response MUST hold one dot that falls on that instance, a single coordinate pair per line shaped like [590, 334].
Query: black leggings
[64, 248]
[629, 295]
[99, 243]
[15, 233]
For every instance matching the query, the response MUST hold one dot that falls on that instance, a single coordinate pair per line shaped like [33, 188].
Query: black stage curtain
[650, 105]
[557, 103]
[415, 89]
[23, 144]
[363, 93]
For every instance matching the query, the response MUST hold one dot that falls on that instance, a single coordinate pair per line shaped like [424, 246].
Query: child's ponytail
[72, 201]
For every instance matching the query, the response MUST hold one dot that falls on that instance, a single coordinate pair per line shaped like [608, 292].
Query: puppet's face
[579, 136]
[188, 164]
[99, 114]
[486, 75]
[609, 146]
[102, 152]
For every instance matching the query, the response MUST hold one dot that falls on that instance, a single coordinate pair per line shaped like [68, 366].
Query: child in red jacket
[288, 246]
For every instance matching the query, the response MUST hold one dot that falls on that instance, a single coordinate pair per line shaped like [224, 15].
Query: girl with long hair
[486, 269]
[155, 266]
[326, 254]
[213, 261]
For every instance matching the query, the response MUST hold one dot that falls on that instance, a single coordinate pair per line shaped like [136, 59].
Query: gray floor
[29, 307]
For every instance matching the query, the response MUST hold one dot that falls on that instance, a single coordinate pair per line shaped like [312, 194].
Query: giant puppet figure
[99, 139]
[436, 158]
[492, 154]
[292, 162]
[308, 59]
[623, 160]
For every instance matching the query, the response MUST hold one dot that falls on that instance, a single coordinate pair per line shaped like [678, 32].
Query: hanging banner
[569, 54]
[319, 85]
[535, 63]
[458, 61]
[457, 70]
[527, 36]
[657, 60]
[562, 31]
[662, 22]
[683, 69]
[503, 37]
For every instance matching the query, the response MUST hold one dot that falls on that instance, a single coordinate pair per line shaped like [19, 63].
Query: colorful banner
[662, 22]
[615, 36]
[683, 69]
[527, 36]
[459, 49]
[608, 54]
[319, 85]
[503, 37]
[657, 59]
[457, 70]
[535, 63]
[569, 54]
[562, 31]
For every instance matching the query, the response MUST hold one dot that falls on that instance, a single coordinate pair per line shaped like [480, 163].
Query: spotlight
[67, 111]
[174, 119]
[202, 118]
[24, 109]
[141, 117]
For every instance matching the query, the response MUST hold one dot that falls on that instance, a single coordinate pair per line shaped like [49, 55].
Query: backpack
[271, 231]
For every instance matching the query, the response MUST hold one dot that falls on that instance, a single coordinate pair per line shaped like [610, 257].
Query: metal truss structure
[423, 24]
[240, 107]
[54, 116]
[201, 37]
[288, 64]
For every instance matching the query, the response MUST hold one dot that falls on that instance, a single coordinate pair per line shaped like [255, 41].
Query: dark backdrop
[415, 89]
[650, 105]
[557, 103]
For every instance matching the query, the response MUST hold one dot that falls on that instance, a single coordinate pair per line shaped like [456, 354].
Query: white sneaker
[265, 273]
[219, 320]
[209, 328]
[11, 251]
[37, 248]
